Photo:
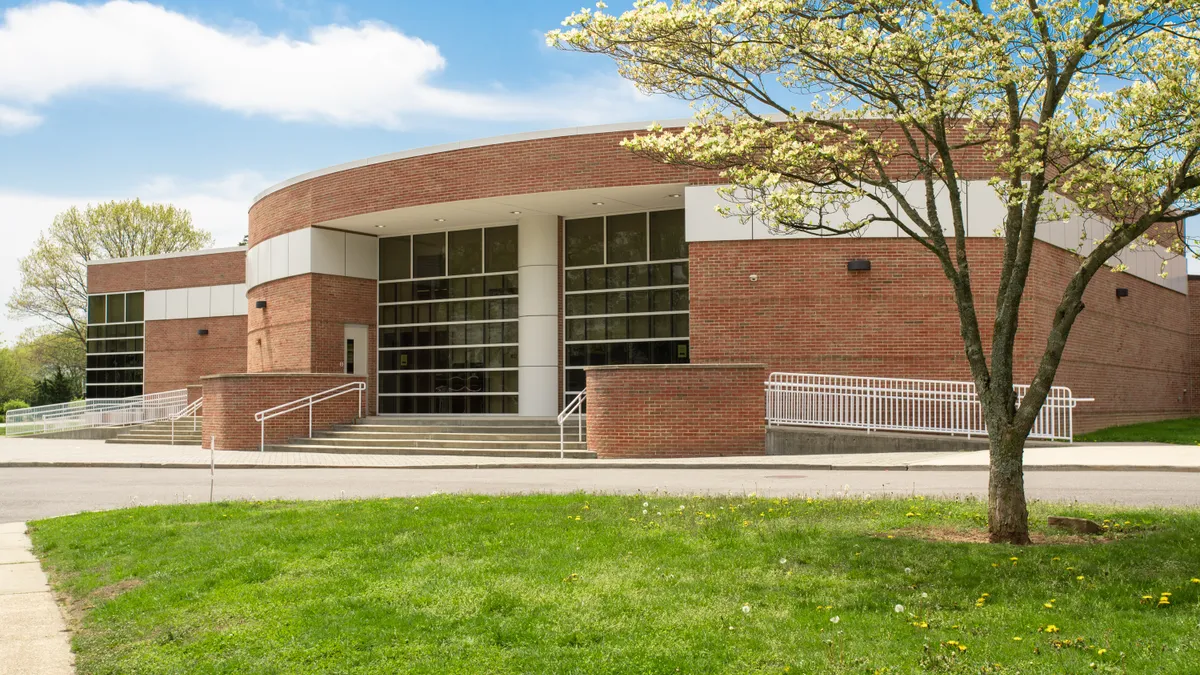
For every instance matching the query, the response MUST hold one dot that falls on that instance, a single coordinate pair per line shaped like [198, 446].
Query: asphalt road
[31, 493]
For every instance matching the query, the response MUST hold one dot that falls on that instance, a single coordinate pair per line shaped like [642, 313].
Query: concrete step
[154, 441]
[444, 452]
[505, 435]
[427, 444]
[460, 421]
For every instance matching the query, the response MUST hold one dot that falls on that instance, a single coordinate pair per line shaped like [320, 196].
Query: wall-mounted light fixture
[260, 304]
[202, 331]
[858, 265]
[1122, 292]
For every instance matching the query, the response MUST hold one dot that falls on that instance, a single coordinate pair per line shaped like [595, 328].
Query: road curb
[597, 464]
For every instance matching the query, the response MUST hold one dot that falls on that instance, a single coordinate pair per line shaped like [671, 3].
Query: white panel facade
[701, 221]
[239, 299]
[252, 267]
[362, 256]
[221, 302]
[177, 303]
[329, 252]
[199, 302]
[264, 260]
[155, 305]
[299, 246]
[280, 251]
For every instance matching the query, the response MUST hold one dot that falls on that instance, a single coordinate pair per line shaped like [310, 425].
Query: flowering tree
[815, 108]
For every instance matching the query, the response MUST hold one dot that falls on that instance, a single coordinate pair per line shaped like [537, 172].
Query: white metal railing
[573, 408]
[894, 404]
[95, 412]
[191, 410]
[306, 402]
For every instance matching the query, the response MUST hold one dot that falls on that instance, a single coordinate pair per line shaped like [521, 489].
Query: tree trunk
[1008, 516]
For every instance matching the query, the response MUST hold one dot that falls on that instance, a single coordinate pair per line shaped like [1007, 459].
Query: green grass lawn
[603, 584]
[1185, 431]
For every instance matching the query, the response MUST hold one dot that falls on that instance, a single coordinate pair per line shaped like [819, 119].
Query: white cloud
[218, 206]
[369, 74]
[13, 120]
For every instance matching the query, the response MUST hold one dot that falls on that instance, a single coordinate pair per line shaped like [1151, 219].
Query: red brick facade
[181, 271]
[675, 410]
[522, 167]
[807, 313]
[230, 402]
[302, 328]
[1139, 355]
[178, 356]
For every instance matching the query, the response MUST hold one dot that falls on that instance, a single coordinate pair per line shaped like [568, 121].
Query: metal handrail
[572, 407]
[96, 413]
[307, 402]
[190, 410]
[897, 404]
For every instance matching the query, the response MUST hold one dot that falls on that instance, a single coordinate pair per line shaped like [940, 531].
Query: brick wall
[230, 402]
[675, 410]
[540, 165]
[302, 328]
[177, 356]
[1194, 342]
[807, 313]
[184, 271]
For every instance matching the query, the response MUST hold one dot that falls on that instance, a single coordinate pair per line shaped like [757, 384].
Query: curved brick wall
[302, 327]
[695, 410]
[519, 167]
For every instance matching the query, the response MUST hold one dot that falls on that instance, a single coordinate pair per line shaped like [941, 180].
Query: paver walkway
[18, 452]
[33, 635]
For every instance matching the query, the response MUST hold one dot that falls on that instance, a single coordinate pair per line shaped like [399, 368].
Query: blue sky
[110, 138]
[205, 103]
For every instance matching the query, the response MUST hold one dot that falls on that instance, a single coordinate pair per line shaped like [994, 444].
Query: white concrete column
[537, 280]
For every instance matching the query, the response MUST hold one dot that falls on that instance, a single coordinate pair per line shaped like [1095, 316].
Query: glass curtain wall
[625, 292]
[115, 345]
[448, 322]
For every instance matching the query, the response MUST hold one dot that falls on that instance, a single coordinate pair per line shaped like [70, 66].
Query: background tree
[1095, 100]
[54, 274]
[55, 362]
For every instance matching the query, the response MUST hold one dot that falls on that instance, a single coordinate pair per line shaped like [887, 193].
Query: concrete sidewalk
[32, 452]
[33, 635]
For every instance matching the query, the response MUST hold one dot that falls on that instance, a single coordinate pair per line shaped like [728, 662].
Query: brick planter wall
[690, 410]
[230, 402]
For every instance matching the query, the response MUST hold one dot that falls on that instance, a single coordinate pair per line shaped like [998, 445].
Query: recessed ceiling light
[673, 196]
[515, 213]
[439, 220]
[381, 226]
[597, 203]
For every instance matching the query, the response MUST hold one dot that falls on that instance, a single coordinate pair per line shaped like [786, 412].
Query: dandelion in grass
[1016, 638]
[1079, 578]
[834, 619]
[1051, 628]
[1101, 651]
[746, 608]
[1196, 581]
[898, 608]
[783, 561]
[908, 570]
[645, 503]
[1163, 601]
